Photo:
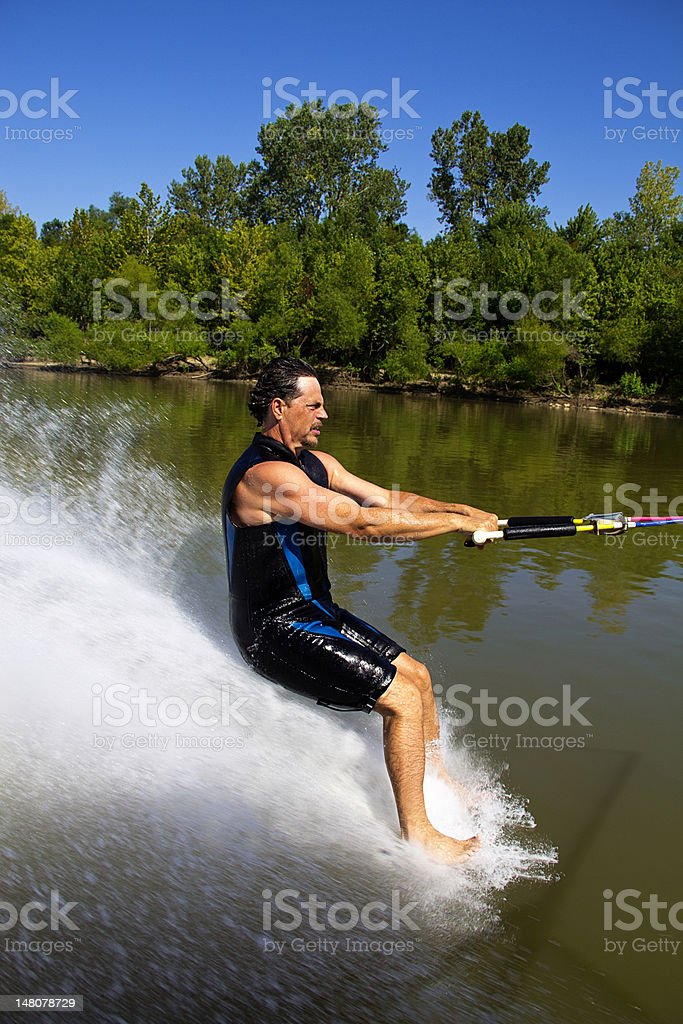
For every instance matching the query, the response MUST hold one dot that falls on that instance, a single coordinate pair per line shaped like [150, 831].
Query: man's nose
[322, 415]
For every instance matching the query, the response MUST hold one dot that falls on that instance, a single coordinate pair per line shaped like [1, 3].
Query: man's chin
[309, 442]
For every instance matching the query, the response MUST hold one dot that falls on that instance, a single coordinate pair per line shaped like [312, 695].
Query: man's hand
[483, 521]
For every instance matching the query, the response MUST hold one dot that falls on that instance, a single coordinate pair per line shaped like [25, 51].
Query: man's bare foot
[446, 849]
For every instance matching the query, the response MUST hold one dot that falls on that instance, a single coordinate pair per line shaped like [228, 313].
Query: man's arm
[277, 491]
[372, 496]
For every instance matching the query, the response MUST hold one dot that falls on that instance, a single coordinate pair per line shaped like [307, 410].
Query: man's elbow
[369, 523]
[357, 528]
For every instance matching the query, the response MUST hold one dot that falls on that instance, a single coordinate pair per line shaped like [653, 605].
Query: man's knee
[415, 671]
[403, 697]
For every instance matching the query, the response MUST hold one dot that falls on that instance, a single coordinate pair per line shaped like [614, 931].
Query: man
[279, 501]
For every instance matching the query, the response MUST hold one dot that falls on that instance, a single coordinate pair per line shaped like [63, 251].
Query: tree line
[304, 250]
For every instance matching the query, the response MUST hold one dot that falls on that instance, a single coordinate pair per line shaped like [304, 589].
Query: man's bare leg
[432, 738]
[402, 710]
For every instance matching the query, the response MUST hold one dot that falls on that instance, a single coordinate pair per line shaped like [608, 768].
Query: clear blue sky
[159, 83]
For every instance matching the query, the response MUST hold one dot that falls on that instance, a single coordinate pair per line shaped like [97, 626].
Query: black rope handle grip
[528, 532]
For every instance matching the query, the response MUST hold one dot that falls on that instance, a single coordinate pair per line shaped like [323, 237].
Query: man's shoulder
[318, 466]
[328, 461]
[261, 452]
[265, 461]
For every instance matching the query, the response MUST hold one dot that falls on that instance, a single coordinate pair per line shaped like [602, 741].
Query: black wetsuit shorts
[327, 654]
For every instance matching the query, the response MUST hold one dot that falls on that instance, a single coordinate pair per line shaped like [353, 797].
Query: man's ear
[277, 407]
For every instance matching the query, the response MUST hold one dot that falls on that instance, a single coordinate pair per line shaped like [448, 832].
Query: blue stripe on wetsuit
[230, 534]
[293, 556]
[318, 628]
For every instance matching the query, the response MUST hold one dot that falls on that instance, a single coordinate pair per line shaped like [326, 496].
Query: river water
[231, 850]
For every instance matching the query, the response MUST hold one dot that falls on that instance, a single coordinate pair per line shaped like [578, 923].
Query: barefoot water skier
[279, 502]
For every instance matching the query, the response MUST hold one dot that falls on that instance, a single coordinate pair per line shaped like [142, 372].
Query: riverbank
[597, 399]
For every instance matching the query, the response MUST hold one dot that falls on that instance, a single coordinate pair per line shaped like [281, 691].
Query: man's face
[305, 414]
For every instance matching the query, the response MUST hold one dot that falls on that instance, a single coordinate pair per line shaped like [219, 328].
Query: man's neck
[275, 434]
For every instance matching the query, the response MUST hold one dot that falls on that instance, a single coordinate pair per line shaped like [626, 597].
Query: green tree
[477, 171]
[317, 162]
[211, 192]
[22, 263]
[118, 205]
[282, 300]
[344, 278]
[13, 327]
[397, 343]
[52, 232]
[583, 231]
[639, 281]
[655, 205]
[89, 252]
[62, 339]
[143, 222]
[5, 205]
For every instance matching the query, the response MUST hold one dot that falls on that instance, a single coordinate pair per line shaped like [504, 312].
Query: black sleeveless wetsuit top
[274, 567]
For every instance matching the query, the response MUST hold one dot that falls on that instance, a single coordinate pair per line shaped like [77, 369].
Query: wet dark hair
[279, 379]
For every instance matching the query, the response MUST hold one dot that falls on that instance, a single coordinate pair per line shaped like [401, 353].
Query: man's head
[288, 401]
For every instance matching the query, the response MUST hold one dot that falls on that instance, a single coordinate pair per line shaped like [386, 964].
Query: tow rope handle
[532, 527]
